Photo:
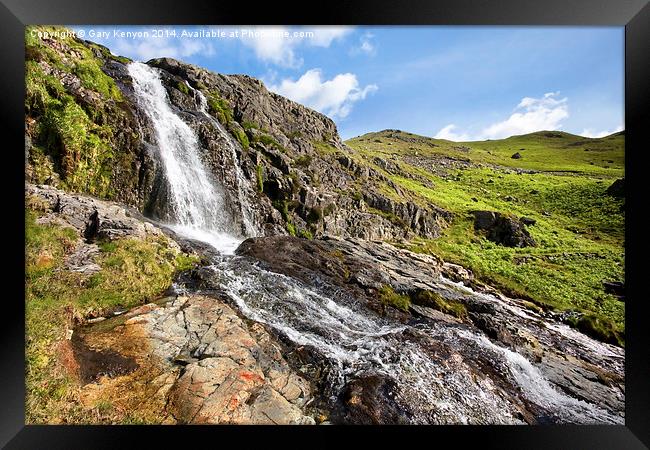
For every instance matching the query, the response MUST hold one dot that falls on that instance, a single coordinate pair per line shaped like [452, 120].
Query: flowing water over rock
[197, 202]
[379, 370]
[436, 372]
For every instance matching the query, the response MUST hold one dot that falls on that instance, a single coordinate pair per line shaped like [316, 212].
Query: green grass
[181, 86]
[220, 108]
[565, 153]
[389, 297]
[132, 272]
[579, 229]
[434, 300]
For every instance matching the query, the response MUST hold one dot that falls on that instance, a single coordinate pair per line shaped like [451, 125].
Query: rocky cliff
[85, 132]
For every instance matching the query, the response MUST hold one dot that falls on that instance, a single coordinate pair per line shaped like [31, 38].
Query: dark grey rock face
[280, 162]
[503, 229]
[299, 176]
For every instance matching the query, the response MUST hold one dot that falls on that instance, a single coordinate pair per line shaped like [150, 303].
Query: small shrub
[315, 215]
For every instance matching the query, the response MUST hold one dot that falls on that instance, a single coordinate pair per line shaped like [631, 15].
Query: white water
[197, 202]
[249, 226]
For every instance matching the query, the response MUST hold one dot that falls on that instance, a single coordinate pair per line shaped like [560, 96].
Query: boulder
[617, 188]
[516, 156]
[527, 221]
[503, 229]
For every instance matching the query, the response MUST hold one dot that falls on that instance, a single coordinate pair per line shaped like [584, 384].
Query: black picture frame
[634, 15]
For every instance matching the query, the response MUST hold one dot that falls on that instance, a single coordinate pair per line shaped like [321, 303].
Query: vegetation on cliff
[78, 123]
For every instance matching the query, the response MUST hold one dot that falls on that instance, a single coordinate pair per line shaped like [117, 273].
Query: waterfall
[197, 202]
[202, 103]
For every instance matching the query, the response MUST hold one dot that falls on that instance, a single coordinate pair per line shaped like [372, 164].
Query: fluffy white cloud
[591, 133]
[146, 49]
[269, 44]
[449, 134]
[325, 35]
[333, 97]
[531, 114]
[272, 44]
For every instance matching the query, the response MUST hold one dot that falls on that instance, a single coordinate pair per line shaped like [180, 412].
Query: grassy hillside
[560, 181]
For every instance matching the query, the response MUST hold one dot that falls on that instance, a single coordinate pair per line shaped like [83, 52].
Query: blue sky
[459, 83]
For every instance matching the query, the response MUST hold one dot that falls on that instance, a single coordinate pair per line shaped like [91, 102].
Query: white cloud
[449, 134]
[146, 49]
[531, 114]
[324, 36]
[278, 45]
[591, 133]
[333, 97]
[366, 45]
[269, 44]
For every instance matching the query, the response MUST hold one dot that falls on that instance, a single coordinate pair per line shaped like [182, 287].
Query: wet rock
[503, 229]
[359, 266]
[457, 273]
[371, 401]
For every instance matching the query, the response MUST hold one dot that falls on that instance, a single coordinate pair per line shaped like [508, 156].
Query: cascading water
[358, 343]
[432, 364]
[197, 202]
[250, 228]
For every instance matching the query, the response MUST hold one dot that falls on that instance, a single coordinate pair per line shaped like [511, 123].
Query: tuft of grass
[324, 149]
[303, 161]
[241, 137]
[389, 297]
[249, 125]
[266, 139]
[315, 215]
[291, 228]
[181, 86]
[220, 108]
[434, 300]
[599, 328]
[306, 234]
